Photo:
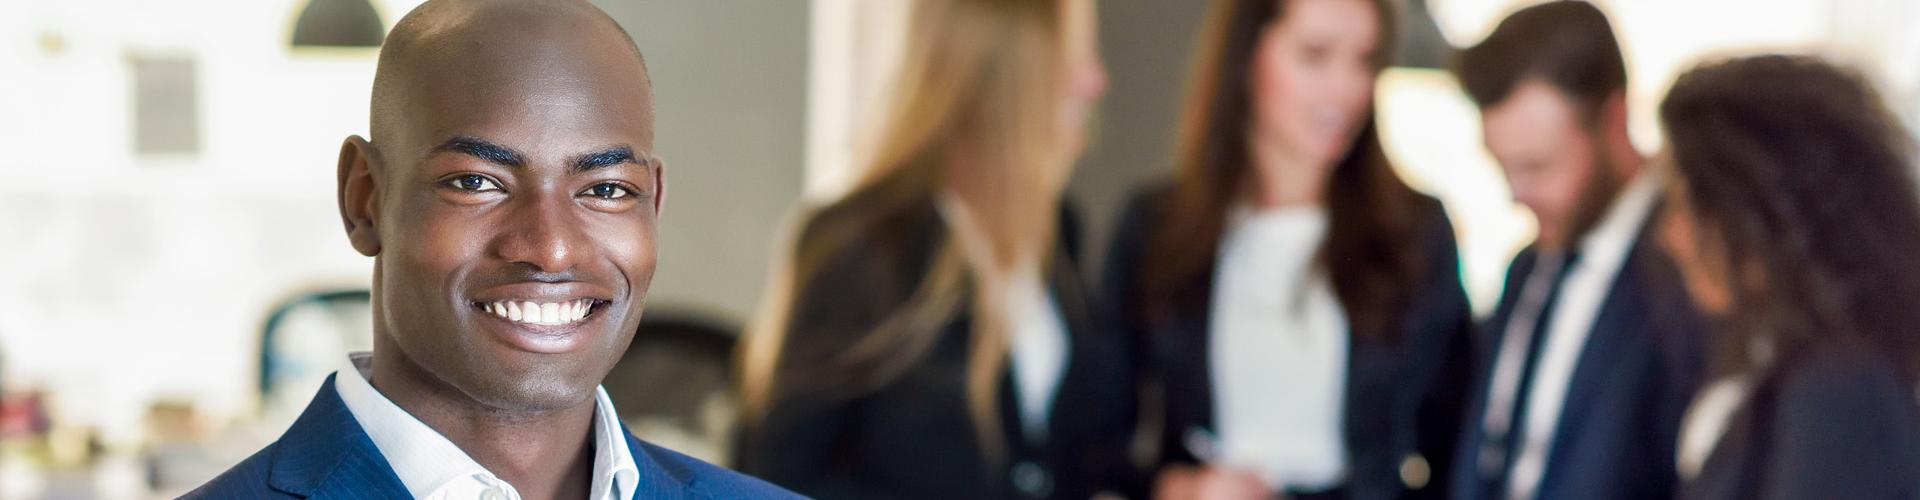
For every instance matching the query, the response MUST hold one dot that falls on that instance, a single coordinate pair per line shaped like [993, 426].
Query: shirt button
[1414, 471]
[1032, 480]
[493, 493]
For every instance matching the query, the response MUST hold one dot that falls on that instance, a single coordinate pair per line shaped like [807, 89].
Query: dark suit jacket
[912, 437]
[326, 454]
[1635, 377]
[1403, 399]
[1841, 424]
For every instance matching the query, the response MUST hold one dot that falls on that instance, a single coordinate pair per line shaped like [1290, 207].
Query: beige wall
[1147, 44]
[730, 90]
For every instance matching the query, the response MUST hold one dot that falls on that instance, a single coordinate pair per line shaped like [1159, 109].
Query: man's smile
[541, 317]
[549, 313]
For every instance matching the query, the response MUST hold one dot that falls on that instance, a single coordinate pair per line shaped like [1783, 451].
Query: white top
[1037, 333]
[1278, 351]
[1706, 423]
[1602, 251]
[433, 468]
[1039, 351]
[1711, 414]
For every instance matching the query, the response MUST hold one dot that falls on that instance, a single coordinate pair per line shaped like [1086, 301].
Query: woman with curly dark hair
[1797, 227]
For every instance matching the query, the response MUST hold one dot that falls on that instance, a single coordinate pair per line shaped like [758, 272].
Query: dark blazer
[1841, 424]
[1403, 399]
[912, 436]
[326, 454]
[1629, 391]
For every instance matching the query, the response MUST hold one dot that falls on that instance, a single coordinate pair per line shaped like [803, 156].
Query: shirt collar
[615, 477]
[1619, 227]
[426, 461]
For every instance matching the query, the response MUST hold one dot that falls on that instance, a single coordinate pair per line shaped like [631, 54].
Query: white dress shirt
[433, 468]
[1584, 291]
[1278, 341]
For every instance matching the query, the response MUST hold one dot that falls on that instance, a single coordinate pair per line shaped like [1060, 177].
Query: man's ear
[659, 186]
[1618, 132]
[1615, 111]
[359, 194]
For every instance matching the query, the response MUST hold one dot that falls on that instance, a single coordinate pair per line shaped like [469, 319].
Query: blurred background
[174, 282]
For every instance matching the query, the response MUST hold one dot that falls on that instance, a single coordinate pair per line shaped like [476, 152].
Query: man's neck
[543, 454]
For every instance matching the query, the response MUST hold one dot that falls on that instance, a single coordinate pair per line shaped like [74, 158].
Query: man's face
[518, 203]
[1551, 159]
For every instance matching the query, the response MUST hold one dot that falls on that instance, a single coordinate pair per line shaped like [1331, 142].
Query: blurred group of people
[1730, 317]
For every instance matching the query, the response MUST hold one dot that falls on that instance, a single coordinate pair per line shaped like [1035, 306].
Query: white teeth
[552, 313]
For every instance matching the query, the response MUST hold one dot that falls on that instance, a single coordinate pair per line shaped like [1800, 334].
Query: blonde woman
[925, 335]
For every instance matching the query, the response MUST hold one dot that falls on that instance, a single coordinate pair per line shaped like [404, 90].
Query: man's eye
[473, 182]
[609, 191]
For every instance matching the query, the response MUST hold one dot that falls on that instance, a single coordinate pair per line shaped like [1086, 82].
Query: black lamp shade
[1421, 43]
[338, 23]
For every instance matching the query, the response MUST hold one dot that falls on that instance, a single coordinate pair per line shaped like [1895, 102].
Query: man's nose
[543, 232]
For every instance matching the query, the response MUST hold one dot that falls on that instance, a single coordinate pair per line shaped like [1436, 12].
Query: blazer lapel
[658, 478]
[1466, 458]
[326, 454]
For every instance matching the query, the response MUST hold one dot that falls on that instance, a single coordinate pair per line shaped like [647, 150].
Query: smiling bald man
[508, 195]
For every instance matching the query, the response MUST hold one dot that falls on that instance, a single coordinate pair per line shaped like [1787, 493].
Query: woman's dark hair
[1370, 249]
[1798, 176]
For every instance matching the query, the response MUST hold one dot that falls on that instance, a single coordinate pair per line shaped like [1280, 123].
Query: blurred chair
[304, 339]
[674, 387]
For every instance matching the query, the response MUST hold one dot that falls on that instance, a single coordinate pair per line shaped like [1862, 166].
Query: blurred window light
[166, 104]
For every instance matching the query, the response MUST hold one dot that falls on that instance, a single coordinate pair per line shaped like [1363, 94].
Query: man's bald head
[510, 168]
[500, 43]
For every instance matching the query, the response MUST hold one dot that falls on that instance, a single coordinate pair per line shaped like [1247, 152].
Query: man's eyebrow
[482, 149]
[608, 157]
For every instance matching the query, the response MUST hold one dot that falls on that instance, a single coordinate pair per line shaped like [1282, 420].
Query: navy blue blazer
[913, 435]
[1404, 398]
[1837, 422]
[327, 455]
[1643, 361]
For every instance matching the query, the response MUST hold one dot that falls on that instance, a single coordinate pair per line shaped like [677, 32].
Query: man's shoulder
[705, 480]
[248, 479]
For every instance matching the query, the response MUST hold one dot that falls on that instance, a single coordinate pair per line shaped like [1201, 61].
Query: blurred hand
[1209, 483]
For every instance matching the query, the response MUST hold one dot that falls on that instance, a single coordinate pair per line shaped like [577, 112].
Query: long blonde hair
[982, 72]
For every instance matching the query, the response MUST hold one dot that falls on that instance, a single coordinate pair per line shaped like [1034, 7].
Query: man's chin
[534, 388]
[538, 398]
[1549, 241]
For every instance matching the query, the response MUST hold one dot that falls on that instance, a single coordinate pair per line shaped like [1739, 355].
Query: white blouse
[1038, 348]
[1278, 351]
[1036, 331]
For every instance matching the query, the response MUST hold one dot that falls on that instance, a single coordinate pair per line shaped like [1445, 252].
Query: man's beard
[1596, 195]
